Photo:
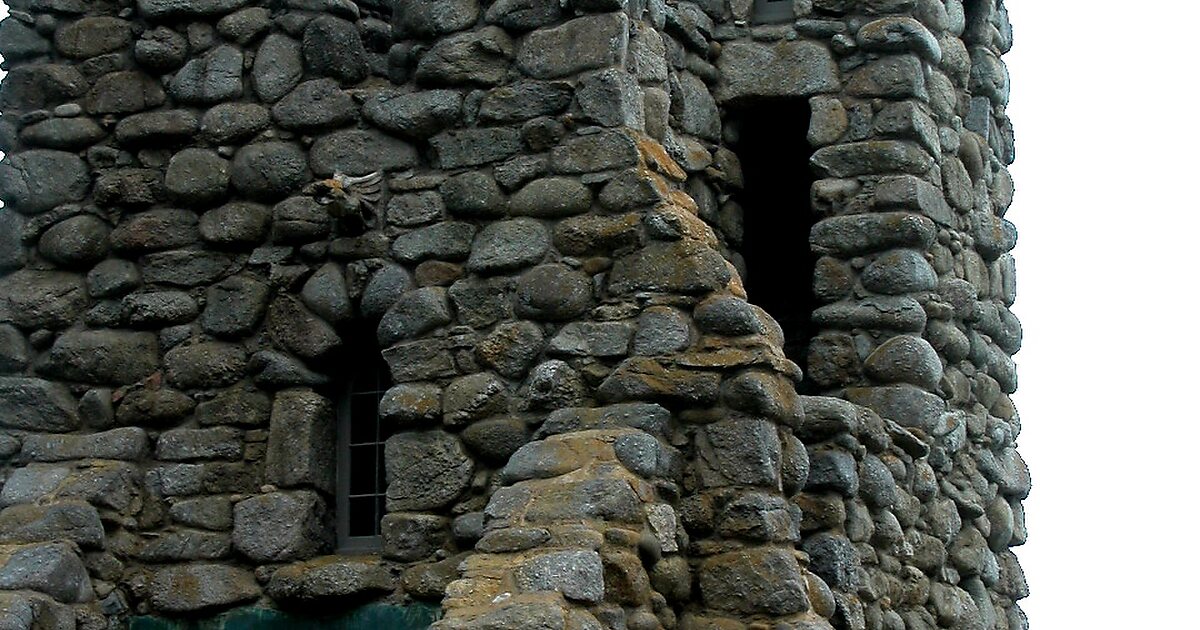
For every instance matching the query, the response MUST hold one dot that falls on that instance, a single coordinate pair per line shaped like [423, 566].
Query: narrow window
[772, 11]
[362, 482]
[772, 144]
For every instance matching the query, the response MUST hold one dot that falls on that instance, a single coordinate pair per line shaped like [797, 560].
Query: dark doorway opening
[771, 140]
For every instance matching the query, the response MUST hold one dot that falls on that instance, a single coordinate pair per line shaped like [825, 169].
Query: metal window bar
[772, 11]
[361, 481]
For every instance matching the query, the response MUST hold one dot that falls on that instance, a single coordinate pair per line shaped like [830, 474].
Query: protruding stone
[905, 359]
[186, 588]
[587, 43]
[754, 581]
[110, 357]
[508, 245]
[334, 48]
[23, 185]
[281, 526]
[212, 78]
[428, 482]
[33, 404]
[479, 57]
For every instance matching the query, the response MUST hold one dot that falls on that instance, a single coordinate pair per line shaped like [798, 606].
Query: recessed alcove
[770, 138]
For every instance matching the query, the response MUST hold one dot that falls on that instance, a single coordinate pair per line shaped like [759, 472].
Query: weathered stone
[473, 397]
[899, 34]
[314, 105]
[278, 67]
[410, 405]
[433, 19]
[446, 241]
[905, 359]
[765, 580]
[301, 443]
[606, 150]
[245, 25]
[415, 209]
[295, 328]
[903, 314]
[160, 49]
[775, 69]
[415, 313]
[672, 267]
[215, 513]
[511, 348]
[269, 171]
[229, 123]
[129, 188]
[578, 575]
[899, 271]
[419, 360]
[128, 444]
[907, 405]
[597, 339]
[430, 580]
[323, 581]
[414, 114]
[587, 43]
[15, 352]
[555, 384]
[553, 292]
[213, 78]
[36, 86]
[551, 197]
[163, 9]
[281, 526]
[871, 157]
[75, 242]
[170, 127]
[496, 439]
[409, 537]
[155, 230]
[508, 245]
[894, 77]
[54, 569]
[12, 248]
[235, 306]
[205, 365]
[237, 224]
[474, 147]
[73, 520]
[382, 289]
[185, 267]
[102, 356]
[237, 407]
[185, 544]
[334, 48]
[124, 93]
[473, 194]
[522, 15]
[480, 57]
[154, 407]
[67, 134]
[19, 42]
[276, 370]
[834, 559]
[524, 100]
[428, 482]
[186, 588]
[33, 404]
[24, 186]
[863, 233]
[197, 177]
[358, 152]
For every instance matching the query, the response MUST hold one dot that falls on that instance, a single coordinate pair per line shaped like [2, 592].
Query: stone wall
[535, 206]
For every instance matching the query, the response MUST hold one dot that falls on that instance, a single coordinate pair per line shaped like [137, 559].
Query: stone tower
[520, 314]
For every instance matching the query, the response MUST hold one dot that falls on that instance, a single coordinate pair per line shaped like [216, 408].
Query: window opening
[772, 11]
[772, 144]
[362, 481]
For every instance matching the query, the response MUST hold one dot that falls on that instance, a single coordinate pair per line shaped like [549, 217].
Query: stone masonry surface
[534, 205]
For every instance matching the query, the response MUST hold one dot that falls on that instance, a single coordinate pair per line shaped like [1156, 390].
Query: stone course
[533, 209]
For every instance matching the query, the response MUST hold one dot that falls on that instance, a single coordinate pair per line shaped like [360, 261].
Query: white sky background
[1107, 175]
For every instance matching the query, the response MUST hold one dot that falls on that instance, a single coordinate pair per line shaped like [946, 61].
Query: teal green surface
[374, 617]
